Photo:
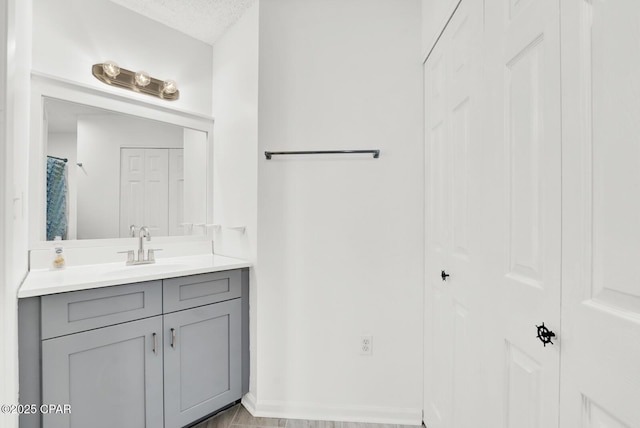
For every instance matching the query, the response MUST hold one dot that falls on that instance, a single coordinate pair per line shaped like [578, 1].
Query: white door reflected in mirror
[150, 181]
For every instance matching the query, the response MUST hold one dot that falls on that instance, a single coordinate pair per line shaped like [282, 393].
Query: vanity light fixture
[110, 73]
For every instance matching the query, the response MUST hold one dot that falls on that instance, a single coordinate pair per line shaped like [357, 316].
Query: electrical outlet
[366, 345]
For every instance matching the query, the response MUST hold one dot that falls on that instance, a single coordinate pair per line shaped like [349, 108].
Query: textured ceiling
[204, 20]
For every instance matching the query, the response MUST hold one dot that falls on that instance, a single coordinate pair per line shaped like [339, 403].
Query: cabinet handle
[155, 343]
[173, 338]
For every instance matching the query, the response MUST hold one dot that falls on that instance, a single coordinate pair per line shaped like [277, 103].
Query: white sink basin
[147, 269]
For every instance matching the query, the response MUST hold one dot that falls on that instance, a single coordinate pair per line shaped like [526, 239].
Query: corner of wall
[235, 183]
[16, 66]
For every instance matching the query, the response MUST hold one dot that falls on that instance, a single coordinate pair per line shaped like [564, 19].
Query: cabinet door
[111, 377]
[202, 360]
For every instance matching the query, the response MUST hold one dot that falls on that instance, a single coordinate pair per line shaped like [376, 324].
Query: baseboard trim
[319, 412]
[249, 402]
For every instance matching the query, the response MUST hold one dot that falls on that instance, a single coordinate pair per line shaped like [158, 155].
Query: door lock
[444, 275]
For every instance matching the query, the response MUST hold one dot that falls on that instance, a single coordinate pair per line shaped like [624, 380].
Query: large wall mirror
[104, 171]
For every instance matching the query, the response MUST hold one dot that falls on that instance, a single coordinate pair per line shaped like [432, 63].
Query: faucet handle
[130, 255]
[145, 233]
[151, 254]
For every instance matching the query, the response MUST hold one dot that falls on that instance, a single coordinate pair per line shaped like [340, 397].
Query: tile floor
[239, 417]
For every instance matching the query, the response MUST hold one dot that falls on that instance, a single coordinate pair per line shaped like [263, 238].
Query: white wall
[340, 248]
[100, 139]
[235, 107]
[65, 145]
[14, 179]
[235, 191]
[7, 303]
[72, 35]
[435, 14]
[195, 178]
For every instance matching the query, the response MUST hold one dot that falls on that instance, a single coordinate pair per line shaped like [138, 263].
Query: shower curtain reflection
[56, 198]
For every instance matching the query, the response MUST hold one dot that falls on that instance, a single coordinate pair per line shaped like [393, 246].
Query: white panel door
[522, 212]
[132, 167]
[437, 304]
[144, 190]
[453, 310]
[156, 189]
[601, 214]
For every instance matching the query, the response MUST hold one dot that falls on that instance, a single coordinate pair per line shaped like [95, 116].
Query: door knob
[545, 335]
[444, 275]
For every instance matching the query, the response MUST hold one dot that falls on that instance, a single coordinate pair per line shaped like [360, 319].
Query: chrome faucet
[132, 230]
[131, 258]
[143, 233]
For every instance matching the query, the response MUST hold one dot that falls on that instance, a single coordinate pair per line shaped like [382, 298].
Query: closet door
[523, 211]
[156, 187]
[132, 167]
[601, 214]
[144, 190]
[437, 304]
[452, 296]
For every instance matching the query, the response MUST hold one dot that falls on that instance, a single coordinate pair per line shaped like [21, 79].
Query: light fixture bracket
[127, 79]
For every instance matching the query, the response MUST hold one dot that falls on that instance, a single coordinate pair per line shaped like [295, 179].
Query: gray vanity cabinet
[201, 361]
[111, 376]
[156, 354]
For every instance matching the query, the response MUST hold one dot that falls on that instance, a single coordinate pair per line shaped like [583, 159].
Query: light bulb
[169, 87]
[111, 69]
[142, 78]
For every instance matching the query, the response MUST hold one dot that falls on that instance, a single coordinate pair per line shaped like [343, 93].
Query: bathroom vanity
[160, 344]
[138, 346]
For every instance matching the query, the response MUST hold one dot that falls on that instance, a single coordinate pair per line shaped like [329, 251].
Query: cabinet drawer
[197, 290]
[77, 311]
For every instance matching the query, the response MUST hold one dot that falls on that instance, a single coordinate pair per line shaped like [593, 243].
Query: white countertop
[40, 282]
